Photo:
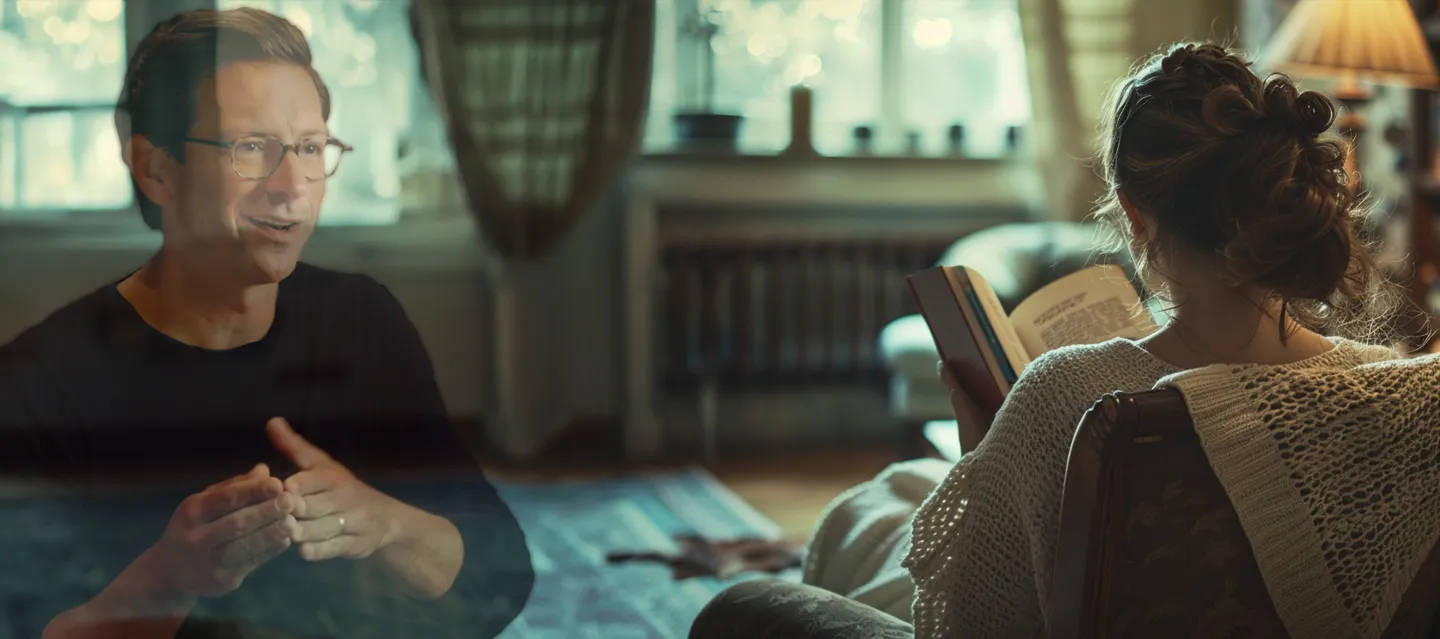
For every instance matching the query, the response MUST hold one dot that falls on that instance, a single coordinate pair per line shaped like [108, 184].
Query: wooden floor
[790, 489]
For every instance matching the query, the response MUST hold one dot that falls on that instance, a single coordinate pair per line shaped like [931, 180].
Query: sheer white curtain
[1075, 51]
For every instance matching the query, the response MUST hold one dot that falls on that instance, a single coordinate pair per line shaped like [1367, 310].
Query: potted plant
[702, 128]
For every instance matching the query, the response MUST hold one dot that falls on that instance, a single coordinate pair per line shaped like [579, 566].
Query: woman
[1240, 216]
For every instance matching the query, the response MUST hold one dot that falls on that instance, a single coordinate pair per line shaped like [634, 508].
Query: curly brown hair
[1238, 169]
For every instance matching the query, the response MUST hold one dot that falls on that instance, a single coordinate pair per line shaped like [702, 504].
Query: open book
[987, 351]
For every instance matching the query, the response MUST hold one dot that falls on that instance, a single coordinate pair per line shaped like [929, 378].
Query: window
[64, 62]
[907, 69]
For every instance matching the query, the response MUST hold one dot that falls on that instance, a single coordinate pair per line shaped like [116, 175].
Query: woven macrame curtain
[544, 102]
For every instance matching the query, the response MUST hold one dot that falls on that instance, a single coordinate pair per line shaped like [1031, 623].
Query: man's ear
[152, 168]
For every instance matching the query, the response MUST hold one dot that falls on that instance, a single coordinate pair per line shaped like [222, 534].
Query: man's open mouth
[272, 224]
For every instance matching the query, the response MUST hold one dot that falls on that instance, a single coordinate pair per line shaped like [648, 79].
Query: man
[223, 353]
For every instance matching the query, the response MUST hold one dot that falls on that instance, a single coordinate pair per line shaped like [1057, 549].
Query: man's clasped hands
[218, 536]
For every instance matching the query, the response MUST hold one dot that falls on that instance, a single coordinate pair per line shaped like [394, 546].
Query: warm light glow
[77, 32]
[840, 9]
[30, 8]
[1372, 40]
[755, 45]
[810, 66]
[301, 17]
[54, 27]
[104, 10]
[932, 34]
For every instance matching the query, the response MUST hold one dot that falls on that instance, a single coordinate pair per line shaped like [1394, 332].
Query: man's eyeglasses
[257, 157]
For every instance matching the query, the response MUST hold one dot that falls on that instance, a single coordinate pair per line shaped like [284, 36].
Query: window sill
[731, 179]
[440, 238]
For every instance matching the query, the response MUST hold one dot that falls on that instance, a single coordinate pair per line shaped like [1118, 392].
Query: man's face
[253, 228]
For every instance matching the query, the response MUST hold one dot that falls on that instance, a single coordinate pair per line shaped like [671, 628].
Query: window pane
[365, 53]
[64, 62]
[61, 51]
[964, 63]
[760, 49]
[72, 161]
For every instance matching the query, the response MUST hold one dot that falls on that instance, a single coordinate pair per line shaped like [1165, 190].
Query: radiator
[763, 314]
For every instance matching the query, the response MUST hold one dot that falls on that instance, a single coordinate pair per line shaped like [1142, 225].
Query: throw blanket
[856, 549]
[1335, 477]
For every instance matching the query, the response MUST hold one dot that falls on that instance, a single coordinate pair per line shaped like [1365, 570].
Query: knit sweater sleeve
[982, 545]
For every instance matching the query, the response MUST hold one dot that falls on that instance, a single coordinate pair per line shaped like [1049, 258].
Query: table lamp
[1352, 41]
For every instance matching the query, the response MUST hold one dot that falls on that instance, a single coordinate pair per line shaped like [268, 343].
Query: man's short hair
[168, 67]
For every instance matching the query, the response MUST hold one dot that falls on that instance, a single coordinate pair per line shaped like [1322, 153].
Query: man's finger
[214, 504]
[245, 521]
[245, 554]
[342, 546]
[311, 482]
[315, 530]
[317, 505]
[302, 453]
[258, 471]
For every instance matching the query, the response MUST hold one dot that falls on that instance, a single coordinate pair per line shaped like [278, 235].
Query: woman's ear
[1142, 230]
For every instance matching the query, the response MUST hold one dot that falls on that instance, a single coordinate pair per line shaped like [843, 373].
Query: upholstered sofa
[1016, 259]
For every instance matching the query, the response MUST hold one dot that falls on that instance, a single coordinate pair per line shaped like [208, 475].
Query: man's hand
[218, 536]
[338, 515]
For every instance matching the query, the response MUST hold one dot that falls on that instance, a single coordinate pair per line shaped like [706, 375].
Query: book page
[1088, 306]
[1010, 344]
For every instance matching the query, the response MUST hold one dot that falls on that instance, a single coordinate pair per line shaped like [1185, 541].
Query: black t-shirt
[93, 393]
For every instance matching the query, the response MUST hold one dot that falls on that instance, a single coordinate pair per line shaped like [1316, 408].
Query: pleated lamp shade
[1370, 40]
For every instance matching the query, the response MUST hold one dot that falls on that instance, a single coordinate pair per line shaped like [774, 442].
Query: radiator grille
[758, 313]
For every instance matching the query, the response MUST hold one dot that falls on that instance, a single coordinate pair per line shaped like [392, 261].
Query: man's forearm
[133, 606]
[426, 555]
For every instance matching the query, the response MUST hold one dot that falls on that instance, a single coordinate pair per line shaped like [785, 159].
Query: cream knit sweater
[983, 544]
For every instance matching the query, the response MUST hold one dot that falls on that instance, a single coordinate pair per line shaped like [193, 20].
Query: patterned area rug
[571, 527]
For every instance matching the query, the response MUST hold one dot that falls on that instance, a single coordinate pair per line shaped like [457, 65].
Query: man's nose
[288, 182]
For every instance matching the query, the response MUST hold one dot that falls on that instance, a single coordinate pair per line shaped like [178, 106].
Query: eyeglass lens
[257, 157]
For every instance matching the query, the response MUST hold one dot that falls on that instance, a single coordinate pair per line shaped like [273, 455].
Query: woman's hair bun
[1234, 166]
[1307, 113]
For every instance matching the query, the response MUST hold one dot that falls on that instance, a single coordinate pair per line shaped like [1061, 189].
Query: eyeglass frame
[285, 149]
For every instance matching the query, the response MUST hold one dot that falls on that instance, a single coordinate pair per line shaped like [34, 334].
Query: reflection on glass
[78, 150]
[64, 62]
[960, 62]
[964, 63]
[61, 51]
[372, 96]
[760, 49]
